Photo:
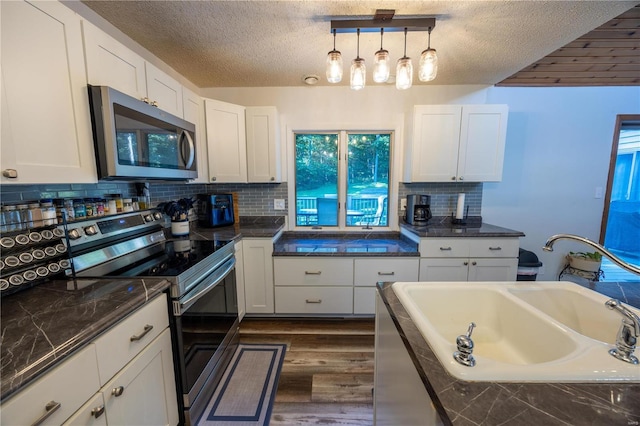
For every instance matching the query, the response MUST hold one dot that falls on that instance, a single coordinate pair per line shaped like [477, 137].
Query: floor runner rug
[247, 389]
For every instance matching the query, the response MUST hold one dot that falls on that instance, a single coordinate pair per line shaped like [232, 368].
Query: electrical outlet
[403, 204]
[278, 204]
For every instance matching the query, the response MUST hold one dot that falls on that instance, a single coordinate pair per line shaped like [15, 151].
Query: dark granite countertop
[486, 403]
[44, 324]
[248, 227]
[441, 226]
[341, 244]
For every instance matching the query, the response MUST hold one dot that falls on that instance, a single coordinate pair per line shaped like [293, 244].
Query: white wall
[557, 153]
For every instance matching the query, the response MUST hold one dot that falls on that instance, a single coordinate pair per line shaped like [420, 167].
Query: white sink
[542, 331]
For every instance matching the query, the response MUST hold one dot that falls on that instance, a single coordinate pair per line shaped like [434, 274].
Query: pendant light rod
[373, 26]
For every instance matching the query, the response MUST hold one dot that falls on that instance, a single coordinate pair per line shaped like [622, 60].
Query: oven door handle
[180, 306]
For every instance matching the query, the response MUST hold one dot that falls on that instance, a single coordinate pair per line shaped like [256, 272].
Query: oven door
[206, 336]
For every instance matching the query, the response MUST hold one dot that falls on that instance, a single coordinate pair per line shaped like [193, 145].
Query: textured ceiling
[276, 43]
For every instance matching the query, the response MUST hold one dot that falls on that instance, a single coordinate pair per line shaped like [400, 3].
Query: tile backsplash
[253, 199]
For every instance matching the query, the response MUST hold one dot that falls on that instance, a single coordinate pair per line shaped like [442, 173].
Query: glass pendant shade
[334, 67]
[381, 66]
[428, 65]
[404, 73]
[358, 74]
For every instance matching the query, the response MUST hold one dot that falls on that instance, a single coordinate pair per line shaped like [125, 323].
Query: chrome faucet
[465, 348]
[627, 334]
[548, 246]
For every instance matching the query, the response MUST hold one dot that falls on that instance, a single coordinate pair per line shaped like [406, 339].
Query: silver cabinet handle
[313, 300]
[272, 179]
[461, 178]
[386, 273]
[10, 173]
[50, 408]
[465, 263]
[474, 263]
[213, 178]
[312, 272]
[495, 248]
[117, 391]
[97, 411]
[145, 100]
[453, 178]
[147, 329]
[445, 248]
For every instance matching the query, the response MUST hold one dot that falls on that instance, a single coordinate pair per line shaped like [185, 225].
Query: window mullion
[343, 152]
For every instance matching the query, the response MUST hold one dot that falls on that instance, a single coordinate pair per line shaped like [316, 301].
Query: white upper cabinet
[263, 144]
[111, 63]
[163, 91]
[193, 106]
[455, 143]
[226, 142]
[46, 127]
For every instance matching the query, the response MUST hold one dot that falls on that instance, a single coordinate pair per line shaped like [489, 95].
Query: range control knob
[91, 230]
[148, 218]
[157, 215]
[74, 234]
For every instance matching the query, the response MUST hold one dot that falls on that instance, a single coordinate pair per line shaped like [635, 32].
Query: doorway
[621, 218]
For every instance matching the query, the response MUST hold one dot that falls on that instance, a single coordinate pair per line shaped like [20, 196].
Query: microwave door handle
[180, 306]
[192, 149]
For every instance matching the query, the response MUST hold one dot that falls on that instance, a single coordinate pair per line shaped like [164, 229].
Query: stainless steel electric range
[203, 296]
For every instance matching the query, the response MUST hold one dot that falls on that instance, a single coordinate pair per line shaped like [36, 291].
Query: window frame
[394, 163]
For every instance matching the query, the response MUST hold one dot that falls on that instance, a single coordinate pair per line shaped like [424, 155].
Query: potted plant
[178, 211]
[585, 261]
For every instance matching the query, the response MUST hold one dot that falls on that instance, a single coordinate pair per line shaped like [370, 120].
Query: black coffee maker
[418, 209]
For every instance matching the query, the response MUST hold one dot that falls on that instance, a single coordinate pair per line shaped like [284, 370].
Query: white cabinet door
[436, 135]
[165, 91]
[60, 392]
[46, 127]
[483, 133]
[454, 143]
[90, 414]
[258, 275]
[111, 63]
[263, 145]
[240, 280]
[481, 269]
[226, 142]
[437, 269]
[143, 393]
[193, 106]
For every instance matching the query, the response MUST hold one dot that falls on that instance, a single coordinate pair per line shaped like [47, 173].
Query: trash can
[528, 265]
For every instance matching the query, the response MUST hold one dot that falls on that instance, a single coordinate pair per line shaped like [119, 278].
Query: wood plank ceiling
[607, 56]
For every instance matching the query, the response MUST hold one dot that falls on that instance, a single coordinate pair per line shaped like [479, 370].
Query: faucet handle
[627, 334]
[464, 354]
[633, 319]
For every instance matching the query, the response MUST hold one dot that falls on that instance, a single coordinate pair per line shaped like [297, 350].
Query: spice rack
[32, 256]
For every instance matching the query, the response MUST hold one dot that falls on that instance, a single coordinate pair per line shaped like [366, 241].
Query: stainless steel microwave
[137, 141]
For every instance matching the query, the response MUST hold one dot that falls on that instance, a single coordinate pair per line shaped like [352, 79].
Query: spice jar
[23, 212]
[89, 207]
[100, 207]
[79, 209]
[48, 212]
[127, 205]
[36, 215]
[69, 210]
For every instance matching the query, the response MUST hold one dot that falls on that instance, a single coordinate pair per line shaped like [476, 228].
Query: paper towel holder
[462, 221]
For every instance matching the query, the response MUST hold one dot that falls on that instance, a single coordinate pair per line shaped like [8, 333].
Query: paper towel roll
[460, 208]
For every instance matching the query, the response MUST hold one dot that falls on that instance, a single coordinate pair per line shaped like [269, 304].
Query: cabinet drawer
[124, 341]
[70, 384]
[314, 300]
[313, 272]
[86, 415]
[369, 271]
[444, 247]
[494, 247]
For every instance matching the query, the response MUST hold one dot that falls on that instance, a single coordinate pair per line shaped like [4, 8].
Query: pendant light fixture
[334, 63]
[404, 69]
[428, 62]
[358, 70]
[381, 65]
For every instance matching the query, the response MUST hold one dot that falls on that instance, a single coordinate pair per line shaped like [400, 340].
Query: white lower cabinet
[469, 259]
[367, 272]
[125, 377]
[258, 275]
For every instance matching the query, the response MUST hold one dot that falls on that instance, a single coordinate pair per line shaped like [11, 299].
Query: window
[343, 191]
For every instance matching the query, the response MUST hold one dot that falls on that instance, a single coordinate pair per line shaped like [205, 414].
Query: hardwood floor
[327, 375]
